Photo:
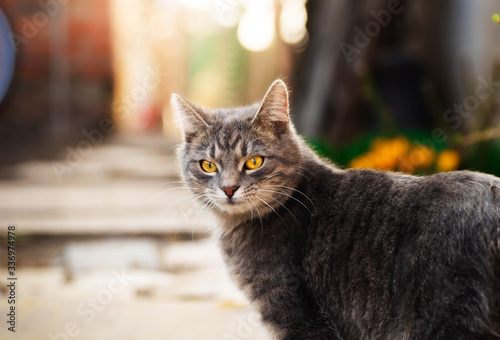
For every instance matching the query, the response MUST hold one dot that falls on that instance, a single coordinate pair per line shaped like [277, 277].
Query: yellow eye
[208, 167]
[254, 163]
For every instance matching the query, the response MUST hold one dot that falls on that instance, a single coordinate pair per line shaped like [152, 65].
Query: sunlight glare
[293, 20]
[256, 28]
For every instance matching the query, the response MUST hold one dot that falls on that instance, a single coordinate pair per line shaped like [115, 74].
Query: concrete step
[176, 291]
[124, 206]
[127, 185]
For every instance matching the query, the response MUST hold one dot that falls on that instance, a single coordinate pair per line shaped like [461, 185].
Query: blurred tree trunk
[376, 64]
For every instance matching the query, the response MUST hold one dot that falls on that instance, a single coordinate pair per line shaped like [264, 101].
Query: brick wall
[63, 77]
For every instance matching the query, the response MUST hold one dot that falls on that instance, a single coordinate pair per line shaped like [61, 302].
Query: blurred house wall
[79, 61]
[62, 82]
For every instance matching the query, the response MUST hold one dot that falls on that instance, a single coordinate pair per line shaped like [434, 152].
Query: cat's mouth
[247, 204]
[229, 202]
[232, 205]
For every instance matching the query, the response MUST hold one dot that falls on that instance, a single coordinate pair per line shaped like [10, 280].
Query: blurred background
[110, 244]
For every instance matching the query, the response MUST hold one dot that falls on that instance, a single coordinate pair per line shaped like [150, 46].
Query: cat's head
[243, 160]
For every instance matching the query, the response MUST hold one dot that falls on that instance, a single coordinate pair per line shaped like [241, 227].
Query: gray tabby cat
[325, 253]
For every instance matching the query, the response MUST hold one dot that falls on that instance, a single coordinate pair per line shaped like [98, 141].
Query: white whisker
[197, 215]
[272, 176]
[256, 196]
[260, 218]
[194, 196]
[247, 200]
[172, 182]
[197, 205]
[279, 203]
[293, 189]
[163, 192]
[185, 214]
[210, 207]
[285, 194]
[302, 168]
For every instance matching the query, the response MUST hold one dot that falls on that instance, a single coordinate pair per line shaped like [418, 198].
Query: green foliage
[342, 156]
[485, 157]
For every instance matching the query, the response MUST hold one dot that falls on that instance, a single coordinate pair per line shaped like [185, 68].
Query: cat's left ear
[274, 109]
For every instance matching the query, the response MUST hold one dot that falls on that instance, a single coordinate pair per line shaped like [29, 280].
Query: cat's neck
[228, 221]
[313, 163]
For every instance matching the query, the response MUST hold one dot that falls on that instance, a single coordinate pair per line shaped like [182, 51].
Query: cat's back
[408, 248]
[460, 191]
[362, 208]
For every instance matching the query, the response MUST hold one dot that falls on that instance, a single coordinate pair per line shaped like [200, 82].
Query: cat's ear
[192, 118]
[273, 111]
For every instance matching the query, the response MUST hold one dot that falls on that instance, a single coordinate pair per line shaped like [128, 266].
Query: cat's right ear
[191, 117]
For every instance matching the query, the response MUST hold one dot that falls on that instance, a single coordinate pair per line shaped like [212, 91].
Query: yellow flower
[385, 154]
[448, 160]
[400, 145]
[421, 156]
[362, 162]
[396, 154]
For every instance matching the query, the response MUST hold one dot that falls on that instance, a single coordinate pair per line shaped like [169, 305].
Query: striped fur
[325, 253]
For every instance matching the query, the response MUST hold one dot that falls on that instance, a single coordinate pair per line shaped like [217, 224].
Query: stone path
[115, 250]
[124, 186]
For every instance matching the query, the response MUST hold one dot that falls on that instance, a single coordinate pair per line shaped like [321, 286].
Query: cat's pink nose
[230, 191]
